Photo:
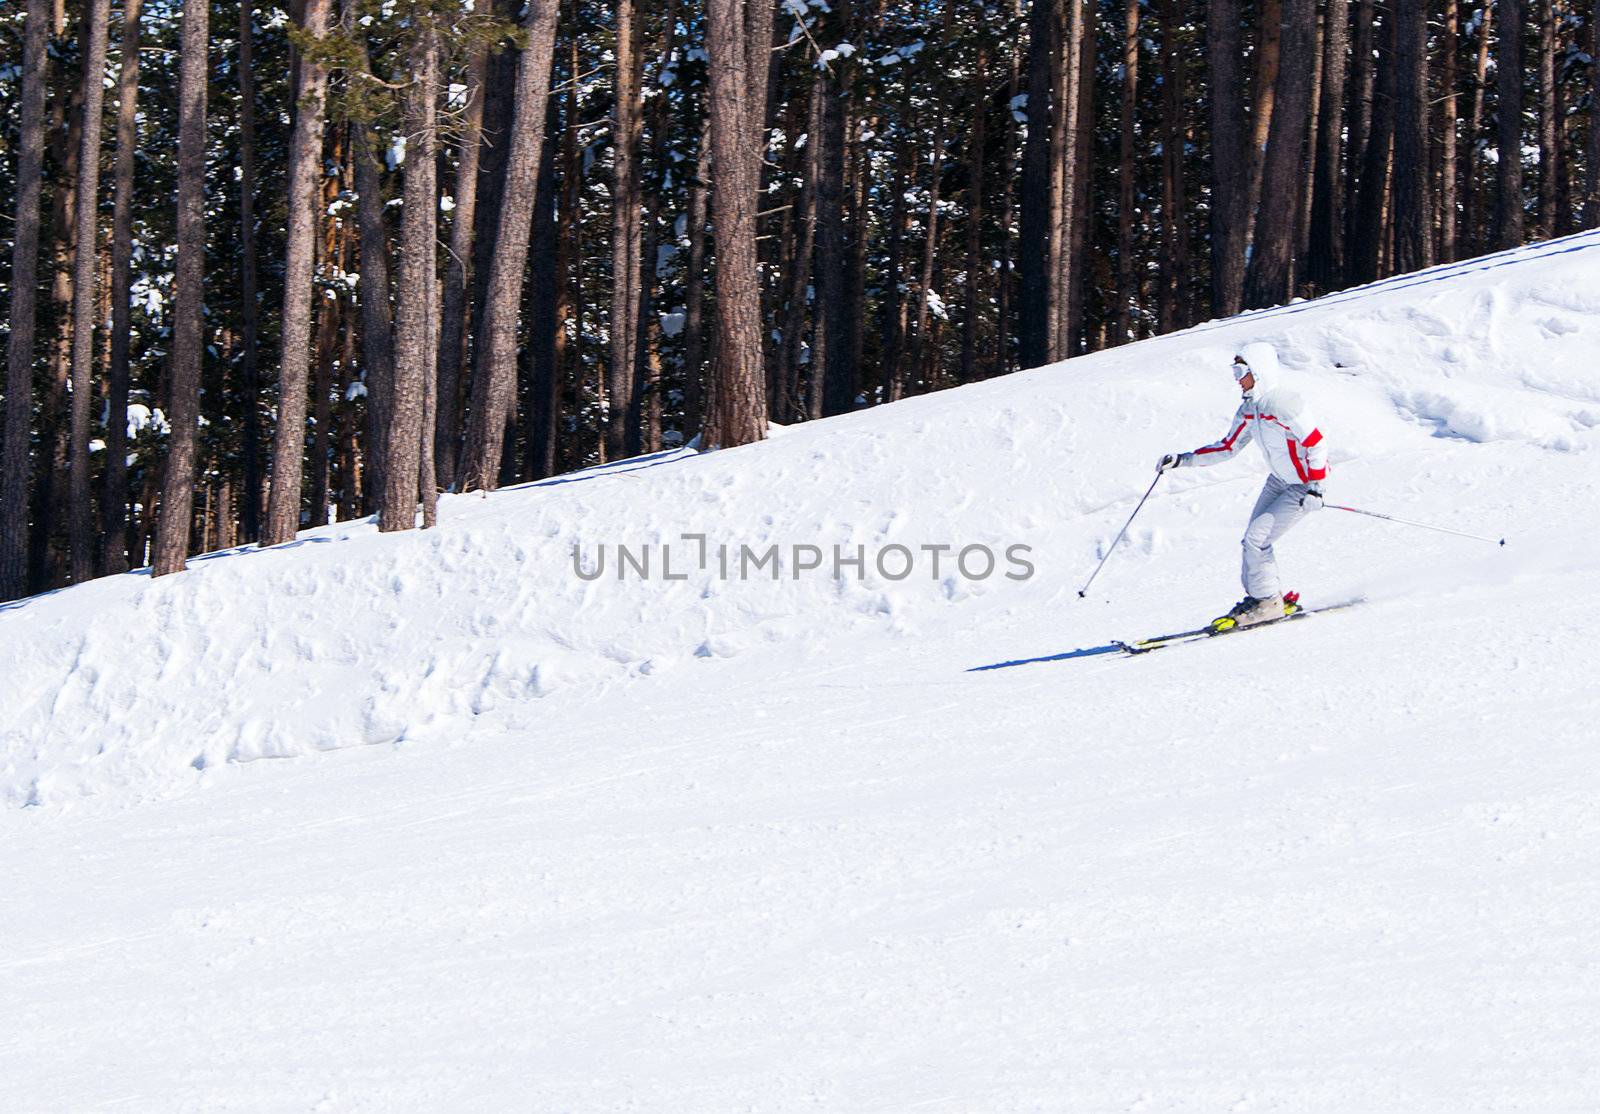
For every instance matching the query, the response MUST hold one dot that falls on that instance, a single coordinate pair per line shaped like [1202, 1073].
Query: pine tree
[494, 387]
[177, 485]
[1268, 278]
[1508, 128]
[1412, 224]
[305, 166]
[114, 496]
[408, 478]
[85, 290]
[14, 448]
[738, 33]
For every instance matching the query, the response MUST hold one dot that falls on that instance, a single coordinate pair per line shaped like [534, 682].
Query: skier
[1278, 420]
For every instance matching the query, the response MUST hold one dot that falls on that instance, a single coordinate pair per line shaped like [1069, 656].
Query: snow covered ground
[716, 844]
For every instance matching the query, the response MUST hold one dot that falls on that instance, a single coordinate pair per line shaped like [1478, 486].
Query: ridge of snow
[346, 637]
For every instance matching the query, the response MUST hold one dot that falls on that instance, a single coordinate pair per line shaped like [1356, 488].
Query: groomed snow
[712, 844]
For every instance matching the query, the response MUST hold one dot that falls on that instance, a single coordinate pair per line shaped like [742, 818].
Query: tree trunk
[626, 201]
[894, 306]
[1272, 256]
[784, 401]
[694, 371]
[305, 167]
[1368, 219]
[1302, 242]
[455, 312]
[774, 244]
[349, 454]
[1411, 211]
[1079, 201]
[1592, 214]
[250, 343]
[1325, 253]
[427, 467]
[833, 369]
[144, 533]
[834, 350]
[1473, 202]
[14, 470]
[976, 265]
[177, 485]
[373, 288]
[798, 240]
[114, 496]
[47, 560]
[1000, 360]
[499, 101]
[1064, 174]
[921, 351]
[414, 344]
[495, 385]
[227, 531]
[1037, 199]
[545, 310]
[330, 320]
[85, 275]
[1269, 60]
[1363, 77]
[645, 421]
[1566, 217]
[1508, 130]
[1230, 158]
[1448, 139]
[1172, 303]
[848, 380]
[1126, 292]
[738, 34]
[1549, 152]
[569, 274]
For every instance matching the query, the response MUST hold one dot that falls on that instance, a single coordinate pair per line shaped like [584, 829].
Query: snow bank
[348, 638]
[862, 843]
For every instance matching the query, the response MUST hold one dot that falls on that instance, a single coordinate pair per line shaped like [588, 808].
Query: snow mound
[1461, 394]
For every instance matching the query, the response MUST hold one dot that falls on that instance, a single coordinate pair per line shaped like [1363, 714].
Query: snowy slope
[717, 844]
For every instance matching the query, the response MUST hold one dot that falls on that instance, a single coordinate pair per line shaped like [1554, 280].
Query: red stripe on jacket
[1299, 469]
[1226, 444]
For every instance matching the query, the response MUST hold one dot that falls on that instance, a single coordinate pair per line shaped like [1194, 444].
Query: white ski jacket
[1277, 419]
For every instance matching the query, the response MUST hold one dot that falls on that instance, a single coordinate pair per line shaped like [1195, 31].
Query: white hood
[1262, 360]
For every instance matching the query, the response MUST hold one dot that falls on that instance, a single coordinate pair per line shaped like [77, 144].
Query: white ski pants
[1277, 509]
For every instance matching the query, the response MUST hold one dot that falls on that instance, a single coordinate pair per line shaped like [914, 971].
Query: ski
[1178, 638]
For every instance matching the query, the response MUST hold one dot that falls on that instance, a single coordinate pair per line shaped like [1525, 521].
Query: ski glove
[1168, 463]
[1312, 499]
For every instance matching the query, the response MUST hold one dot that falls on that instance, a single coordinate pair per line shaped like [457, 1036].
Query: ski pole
[1408, 522]
[1114, 544]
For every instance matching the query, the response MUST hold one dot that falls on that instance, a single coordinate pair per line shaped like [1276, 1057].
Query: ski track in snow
[709, 845]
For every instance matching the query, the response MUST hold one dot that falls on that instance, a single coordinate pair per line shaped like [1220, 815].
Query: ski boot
[1250, 611]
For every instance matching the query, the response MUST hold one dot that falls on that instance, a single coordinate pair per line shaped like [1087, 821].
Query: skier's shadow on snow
[1087, 652]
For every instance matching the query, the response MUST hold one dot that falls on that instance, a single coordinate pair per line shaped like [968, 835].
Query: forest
[267, 268]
